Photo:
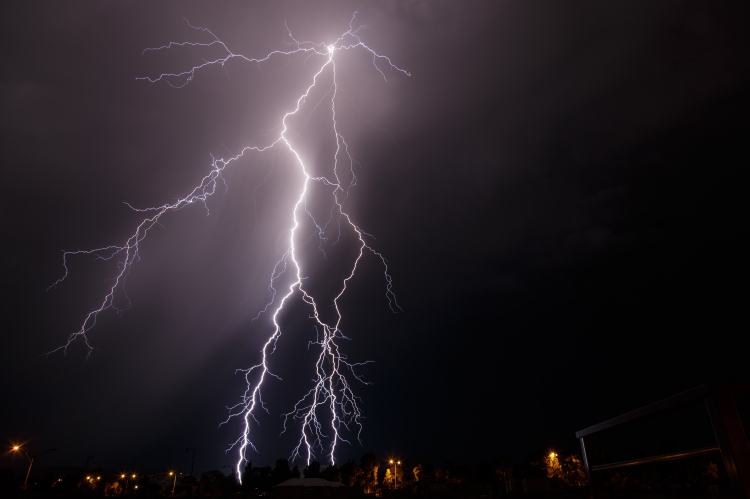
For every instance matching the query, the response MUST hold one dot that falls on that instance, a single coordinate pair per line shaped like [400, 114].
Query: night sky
[557, 188]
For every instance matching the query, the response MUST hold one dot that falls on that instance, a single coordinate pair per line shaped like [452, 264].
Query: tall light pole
[31, 458]
[174, 482]
[188, 449]
[127, 480]
[395, 472]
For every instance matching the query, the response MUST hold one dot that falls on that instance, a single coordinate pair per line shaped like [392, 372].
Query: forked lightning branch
[329, 409]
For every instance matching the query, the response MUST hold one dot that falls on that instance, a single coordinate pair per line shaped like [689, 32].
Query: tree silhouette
[370, 466]
[331, 473]
[351, 474]
[281, 472]
[313, 470]
[295, 472]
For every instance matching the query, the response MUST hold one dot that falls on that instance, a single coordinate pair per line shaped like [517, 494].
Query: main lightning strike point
[331, 392]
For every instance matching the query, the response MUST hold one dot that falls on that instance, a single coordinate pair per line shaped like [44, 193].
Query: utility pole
[192, 466]
[31, 462]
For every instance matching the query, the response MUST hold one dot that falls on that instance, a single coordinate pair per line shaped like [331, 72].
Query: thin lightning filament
[331, 393]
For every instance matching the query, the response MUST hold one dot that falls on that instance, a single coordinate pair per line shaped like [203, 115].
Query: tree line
[372, 475]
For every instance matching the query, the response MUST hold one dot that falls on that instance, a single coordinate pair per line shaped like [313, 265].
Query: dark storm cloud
[555, 188]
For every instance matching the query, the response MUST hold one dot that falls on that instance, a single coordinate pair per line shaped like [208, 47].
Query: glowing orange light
[16, 447]
[552, 454]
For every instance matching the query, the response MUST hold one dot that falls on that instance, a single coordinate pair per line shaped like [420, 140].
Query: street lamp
[127, 479]
[31, 461]
[395, 471]
[188, 449]
[174, 482]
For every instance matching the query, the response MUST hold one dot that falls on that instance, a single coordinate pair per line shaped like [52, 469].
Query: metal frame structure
[731, 438]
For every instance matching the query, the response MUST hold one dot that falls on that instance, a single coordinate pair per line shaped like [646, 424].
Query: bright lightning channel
[331, 392]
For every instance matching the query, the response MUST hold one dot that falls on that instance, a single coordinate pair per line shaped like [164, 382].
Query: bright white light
[330, 391]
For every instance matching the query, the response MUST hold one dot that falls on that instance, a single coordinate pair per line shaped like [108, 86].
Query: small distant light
[122, 476]
[16, 447]
[98, 478]
[391, 461]
[136, 486]
[170, 473]
[552, 454]
[134, 477]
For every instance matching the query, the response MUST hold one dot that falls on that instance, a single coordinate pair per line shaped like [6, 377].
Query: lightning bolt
[330, 406]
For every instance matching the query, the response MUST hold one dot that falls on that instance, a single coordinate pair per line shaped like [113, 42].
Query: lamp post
[31, 458]
[188, 449]
[92, 480]
[127, 479]
[395, 471]
[554, 464]
[174, 481]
